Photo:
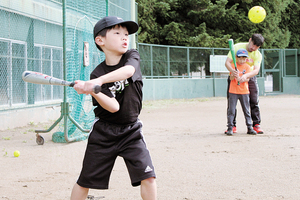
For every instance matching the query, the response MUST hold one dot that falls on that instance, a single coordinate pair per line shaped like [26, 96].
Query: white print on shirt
[118, 86]
[243, 72]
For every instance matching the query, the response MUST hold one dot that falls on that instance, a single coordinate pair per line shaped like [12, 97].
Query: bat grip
[72, 84]
[97, 89]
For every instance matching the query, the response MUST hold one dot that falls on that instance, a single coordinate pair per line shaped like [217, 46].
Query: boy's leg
[234, 119]
[137, 158]
[232, 100]
[149, 189]
[244, 99]
[79, 193]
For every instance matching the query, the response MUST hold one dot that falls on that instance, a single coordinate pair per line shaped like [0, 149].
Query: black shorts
[105, 143]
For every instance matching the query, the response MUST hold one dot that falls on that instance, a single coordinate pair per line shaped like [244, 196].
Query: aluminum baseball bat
[39, 78]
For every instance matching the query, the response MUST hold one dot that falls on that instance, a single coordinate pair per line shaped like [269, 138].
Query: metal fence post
[188, 61]
[151, 56]
[214, 84]
[168, 61]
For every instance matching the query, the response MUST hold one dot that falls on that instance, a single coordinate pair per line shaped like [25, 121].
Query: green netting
[80, 19]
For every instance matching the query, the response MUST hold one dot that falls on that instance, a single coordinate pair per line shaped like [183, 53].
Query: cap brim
[131, 26]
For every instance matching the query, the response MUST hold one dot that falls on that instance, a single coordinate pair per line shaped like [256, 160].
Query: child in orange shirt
[239, 92]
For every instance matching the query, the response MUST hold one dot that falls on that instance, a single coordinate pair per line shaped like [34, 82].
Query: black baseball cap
[109, 21]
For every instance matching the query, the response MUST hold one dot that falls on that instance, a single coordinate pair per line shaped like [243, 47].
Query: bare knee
[148, 189]
[150, 180]
[79, 193]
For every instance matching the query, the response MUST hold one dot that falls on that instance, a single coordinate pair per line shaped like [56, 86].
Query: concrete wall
[155, 89]
[291, 85]
[24, 116]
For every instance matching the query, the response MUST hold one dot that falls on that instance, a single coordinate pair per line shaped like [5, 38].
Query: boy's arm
[232, 71]
[228, 65]
[86, 87]
[118, 75]
[108, 103]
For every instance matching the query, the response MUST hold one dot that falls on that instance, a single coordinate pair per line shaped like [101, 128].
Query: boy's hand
[235, 73]
[85, 87]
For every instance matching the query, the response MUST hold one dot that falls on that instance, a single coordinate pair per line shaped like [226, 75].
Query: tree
[290, 21]
[210, 23]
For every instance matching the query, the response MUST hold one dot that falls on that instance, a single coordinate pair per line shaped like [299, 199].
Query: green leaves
[209, 23]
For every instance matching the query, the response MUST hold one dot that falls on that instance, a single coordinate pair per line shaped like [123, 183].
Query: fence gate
[278, 64]
[272, 70]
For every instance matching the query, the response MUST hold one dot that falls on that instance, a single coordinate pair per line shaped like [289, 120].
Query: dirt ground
[193, 158]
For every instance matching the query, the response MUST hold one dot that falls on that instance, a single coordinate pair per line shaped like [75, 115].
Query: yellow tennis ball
[17, 153]
[257, 14]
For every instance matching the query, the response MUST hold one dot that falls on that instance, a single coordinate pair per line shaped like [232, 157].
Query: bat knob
[97, 89]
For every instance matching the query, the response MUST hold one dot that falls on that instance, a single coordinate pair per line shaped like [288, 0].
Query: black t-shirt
[127, 92]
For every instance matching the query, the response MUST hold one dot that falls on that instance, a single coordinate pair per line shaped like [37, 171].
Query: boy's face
[241, 60]
[116, 40]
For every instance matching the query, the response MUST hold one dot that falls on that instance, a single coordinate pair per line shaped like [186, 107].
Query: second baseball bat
[39, 78]
[231, 47]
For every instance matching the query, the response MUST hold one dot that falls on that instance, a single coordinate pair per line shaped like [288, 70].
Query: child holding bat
[117, 131]
[239, 92]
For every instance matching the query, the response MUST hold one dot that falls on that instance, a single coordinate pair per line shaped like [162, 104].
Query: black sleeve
[133, 59]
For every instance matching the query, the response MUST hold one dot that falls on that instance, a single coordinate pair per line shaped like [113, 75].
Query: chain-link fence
[29, 41]
[161, 61]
